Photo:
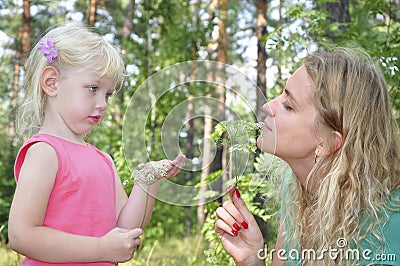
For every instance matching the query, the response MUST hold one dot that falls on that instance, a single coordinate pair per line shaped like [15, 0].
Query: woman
[334, 127]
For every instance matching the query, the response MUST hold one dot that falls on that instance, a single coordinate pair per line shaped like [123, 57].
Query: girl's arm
[28, 236]
[135, 211]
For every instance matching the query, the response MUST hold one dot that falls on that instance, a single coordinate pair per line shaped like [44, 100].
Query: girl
[69, 204]
[334, 127]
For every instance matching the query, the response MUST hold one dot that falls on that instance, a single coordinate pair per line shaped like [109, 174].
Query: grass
[183, 251]
[9, 257]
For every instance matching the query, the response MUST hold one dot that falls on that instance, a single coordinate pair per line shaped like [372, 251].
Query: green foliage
[260, 198]
[168, 32]
[261, 201]
[240, 135]
[305, 27]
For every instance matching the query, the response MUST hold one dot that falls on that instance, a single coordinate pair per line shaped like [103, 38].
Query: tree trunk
[190, 108]
[261, 31]
[261, 9]
[153, 98]
[91, 12]
[127, 29]
[128, 22]
[23, 47]
[221, 159]
[339, 12]
[205, 167]
[25, 30]
[279, 80]
[206, 149]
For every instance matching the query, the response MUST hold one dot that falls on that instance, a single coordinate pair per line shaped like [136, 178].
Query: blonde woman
[334, 127]
[69, 205]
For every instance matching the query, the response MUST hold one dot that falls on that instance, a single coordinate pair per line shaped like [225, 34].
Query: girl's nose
[101, 104]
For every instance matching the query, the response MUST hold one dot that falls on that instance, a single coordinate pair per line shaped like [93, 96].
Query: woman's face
[289, 129]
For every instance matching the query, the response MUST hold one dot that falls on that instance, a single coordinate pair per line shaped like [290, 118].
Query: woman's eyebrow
[290, 94]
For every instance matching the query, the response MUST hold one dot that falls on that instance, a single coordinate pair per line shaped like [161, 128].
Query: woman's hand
[238, 231]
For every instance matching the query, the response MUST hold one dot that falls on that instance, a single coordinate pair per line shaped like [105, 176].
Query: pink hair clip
[47, 48]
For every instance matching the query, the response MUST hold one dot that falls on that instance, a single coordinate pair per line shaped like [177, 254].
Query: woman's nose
[267, 107]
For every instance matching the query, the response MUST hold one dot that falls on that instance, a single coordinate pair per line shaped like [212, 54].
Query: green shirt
[366, 254]
[390, 253]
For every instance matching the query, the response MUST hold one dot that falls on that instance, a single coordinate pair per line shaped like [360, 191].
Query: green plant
[256, 188]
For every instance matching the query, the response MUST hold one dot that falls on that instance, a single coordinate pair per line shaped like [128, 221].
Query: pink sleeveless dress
[82, 201]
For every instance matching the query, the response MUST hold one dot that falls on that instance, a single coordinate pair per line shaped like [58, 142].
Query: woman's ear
[338, 138]
[330, 146]
[49, 80]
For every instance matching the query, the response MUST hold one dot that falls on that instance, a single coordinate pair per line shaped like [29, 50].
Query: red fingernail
[234, 232]
[236, 226]
[245, 224]
[237, 193]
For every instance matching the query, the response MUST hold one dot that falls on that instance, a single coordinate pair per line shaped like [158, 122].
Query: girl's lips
[95, 118]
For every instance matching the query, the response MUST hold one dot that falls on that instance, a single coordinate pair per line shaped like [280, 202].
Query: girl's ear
[49, 80]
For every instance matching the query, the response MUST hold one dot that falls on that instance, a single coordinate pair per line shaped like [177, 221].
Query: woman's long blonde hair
[356, 181]
[78, 49]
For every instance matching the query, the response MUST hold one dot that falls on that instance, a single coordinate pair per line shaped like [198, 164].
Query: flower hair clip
[47, 48]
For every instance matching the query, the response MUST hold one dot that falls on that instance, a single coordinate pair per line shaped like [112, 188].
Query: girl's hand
[166, 168]
[238, 231]
[119, 244]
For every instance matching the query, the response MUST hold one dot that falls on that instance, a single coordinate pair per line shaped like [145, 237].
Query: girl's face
[289, 129]
[81, 101]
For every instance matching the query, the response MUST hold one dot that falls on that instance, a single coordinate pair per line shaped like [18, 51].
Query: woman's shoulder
[390, 227]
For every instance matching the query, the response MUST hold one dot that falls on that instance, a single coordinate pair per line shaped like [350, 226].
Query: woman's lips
[265, 127]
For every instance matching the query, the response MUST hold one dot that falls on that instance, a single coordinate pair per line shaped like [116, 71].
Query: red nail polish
[245, 225]
[234, 232]
[237, 193]
[236, 226]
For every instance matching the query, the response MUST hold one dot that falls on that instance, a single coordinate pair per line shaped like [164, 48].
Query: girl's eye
[108, 95]
[92, 88]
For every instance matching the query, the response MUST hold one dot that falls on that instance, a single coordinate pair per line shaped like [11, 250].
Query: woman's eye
[92, 88]
[286, 106]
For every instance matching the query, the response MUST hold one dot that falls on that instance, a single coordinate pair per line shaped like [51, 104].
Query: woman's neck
[301, 169]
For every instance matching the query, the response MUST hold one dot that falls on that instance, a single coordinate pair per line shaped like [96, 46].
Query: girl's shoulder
[35, 148]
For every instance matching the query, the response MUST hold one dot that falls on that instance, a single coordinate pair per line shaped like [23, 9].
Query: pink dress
[82, 201]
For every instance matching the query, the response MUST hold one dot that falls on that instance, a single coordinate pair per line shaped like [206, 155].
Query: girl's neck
[54, 125]
[78, 139]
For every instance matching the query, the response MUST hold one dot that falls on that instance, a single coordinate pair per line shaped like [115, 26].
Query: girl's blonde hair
[355, 182]
[78, 49]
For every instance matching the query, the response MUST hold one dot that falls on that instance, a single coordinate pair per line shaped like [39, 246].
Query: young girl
[69, 204]
[334, 127]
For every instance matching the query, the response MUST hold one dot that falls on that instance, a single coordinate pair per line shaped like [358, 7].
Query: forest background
[264, 39]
